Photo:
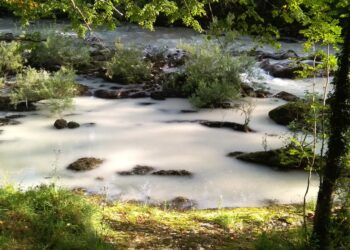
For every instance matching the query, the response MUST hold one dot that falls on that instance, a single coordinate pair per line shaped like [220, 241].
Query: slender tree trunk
[337, 145]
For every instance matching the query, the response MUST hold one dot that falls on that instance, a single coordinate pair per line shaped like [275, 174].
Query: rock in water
[60, 124]
[172, 173]
[286, 96]
[73, 125]
[137, 170]
[85, 163]
[287, 113]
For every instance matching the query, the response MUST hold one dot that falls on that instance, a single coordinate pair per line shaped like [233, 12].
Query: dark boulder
[8, 37]
[85, 163]
[283, 55]
[112, 94]
[172, 173]
[6, 105]
[139, 94]
[281, 159]
[60, 124]
[286, 96]
[73, 125]
[288, 69]
[287, 113]
[229, 125]
[158, 95]
[137, 170]
[261, 93]
[188, 111]
[217, 124]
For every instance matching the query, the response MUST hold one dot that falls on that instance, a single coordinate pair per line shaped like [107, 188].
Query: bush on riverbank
[34, 85]
[11, 59]
[52, 218]
[212, 76]
[128, 66]
[60, 50]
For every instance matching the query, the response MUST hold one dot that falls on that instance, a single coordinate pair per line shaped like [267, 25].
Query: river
[127, 132]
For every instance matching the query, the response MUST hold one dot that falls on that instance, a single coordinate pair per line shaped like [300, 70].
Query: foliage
[85, 15]
[60, 50]
[46, 217]
[34, 85]
[128, 66]
[212, 75]
[11, 58]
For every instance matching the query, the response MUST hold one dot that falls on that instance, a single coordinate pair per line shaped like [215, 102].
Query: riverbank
[53, 218]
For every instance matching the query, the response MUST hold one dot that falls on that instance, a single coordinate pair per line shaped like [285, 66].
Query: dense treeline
[244, 14]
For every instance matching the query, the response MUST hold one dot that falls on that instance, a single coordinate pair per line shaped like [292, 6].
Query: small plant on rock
[247, 108]
[128, 66]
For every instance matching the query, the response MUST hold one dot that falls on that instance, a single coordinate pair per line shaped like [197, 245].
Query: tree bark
[338, 145]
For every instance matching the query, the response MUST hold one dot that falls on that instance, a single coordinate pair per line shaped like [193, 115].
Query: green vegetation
[128, 66]
[47, 217]
[11, 58]
[34, 85]
[60, 50]
[211, 76]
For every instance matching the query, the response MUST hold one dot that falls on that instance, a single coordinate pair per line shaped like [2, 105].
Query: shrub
[11, 58]
[35, 85]
[212, 75]
[60, 50]
[46, 217]
[128, 66]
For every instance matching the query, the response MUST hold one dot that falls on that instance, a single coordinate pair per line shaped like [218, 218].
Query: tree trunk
[338, 145]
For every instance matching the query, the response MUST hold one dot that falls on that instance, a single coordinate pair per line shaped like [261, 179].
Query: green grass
[47, 217]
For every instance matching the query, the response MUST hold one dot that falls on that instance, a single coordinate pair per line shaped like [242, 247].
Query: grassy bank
[51, 218]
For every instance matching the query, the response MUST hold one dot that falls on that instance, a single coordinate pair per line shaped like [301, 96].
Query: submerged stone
[85, 163]
[137, 170]
[172, 173]
[73, 125]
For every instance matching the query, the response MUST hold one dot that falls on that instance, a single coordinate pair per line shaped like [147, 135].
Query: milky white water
[126, 134]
